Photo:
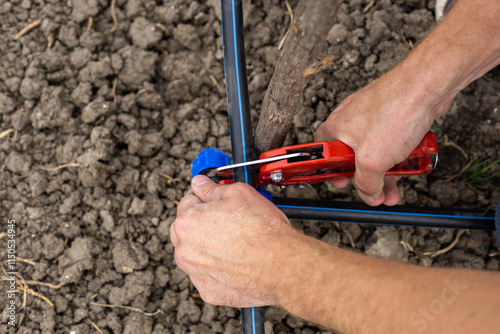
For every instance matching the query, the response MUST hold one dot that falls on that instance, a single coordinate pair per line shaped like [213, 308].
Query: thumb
[206, 189]
[323, 133]
[369, 185]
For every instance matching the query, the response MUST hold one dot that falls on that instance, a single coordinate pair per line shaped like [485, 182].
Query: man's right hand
[383, 123]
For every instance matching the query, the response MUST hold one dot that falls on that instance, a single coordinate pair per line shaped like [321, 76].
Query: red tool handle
[335, 160]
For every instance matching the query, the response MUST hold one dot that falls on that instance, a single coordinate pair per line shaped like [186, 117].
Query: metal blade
[214, 171]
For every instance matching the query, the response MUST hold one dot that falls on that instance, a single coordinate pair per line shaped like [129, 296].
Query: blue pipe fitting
[207, 159]
[210, 158]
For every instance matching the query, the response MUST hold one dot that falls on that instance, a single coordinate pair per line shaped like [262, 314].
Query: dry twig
[94, 325]
[448, 142]
[48, 285]
[127, 308]
[61, 167]
[50, 40]
[453, 177]
[407, 246]
[36, 294]
[117, 136]
[5, 133]
[162, 27]
[403, 37]
[320, 66]
[290, 11]
[349, 236]
[23, 285]
[127, 231]
[115, 99]
[27, 261]
[370, 5]
[89, 25]
[170, 179]
[26, 29]
[446, 249]
[216, 84]
[113, 15]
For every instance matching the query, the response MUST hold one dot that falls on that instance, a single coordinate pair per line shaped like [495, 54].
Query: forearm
[385, 120]
[461, 48]
[353, 293]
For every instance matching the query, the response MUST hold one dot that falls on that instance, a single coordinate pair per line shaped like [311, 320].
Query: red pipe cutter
[322, 161]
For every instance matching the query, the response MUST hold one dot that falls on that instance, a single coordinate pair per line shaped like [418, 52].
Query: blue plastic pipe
[238, 107]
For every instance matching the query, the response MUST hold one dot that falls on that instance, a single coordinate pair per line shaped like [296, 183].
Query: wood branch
[298, 60]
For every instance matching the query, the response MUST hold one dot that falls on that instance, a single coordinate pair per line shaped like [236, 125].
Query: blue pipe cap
[207, 159]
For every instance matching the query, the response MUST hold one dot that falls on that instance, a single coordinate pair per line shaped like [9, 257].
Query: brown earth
[103, 122]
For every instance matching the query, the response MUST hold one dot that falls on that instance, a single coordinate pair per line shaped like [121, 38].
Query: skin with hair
[240, 250]
[385, 121]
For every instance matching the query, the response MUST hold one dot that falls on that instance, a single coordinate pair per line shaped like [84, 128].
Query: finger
[339, 183]
[205, 189]
[324, 133]
[391, 191]
[179, 263]
[369, 185]
[188, 201]
[174, 239]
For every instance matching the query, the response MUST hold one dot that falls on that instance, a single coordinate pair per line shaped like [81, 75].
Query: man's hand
[386, 120]
[231, 241]
[383, 123]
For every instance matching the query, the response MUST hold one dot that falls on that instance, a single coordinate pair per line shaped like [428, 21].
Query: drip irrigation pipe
[400, 215]
[238, 106]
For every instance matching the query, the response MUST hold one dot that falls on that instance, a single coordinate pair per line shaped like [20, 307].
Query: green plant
[479, 175]
[435, 128]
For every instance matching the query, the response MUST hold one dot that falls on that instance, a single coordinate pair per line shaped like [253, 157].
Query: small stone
[53, 246]
[108, 223]
[129, 256]
[97, 108]
[18, 163]
[6, 104]
[82, 10]
[38, 184]
[144, 33]
[387, 245]
[138, 206]
[30, 88]
[187, 36]
[188, 312]
[76, 260]
[337, 34]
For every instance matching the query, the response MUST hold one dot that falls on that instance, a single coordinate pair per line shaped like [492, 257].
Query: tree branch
[312, 23]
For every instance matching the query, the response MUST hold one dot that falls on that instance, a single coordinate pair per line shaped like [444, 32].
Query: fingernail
[199, 180]
[366, 198]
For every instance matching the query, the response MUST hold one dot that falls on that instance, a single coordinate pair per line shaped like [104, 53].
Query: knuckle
[367, 189]
[369, 162]
[240, 187]
[182, 259]
[206, 296]
[237, 189]
[205, 293]
[179, 258]
[178, 227]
